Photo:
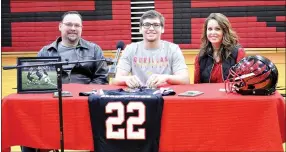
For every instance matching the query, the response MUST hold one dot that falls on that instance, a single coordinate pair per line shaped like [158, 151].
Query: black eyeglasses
[148, 25]
[70, 25]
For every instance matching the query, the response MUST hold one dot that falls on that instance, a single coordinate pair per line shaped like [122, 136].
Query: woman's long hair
[229, 39]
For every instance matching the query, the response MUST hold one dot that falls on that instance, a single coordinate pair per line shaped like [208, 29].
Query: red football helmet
[253, 75]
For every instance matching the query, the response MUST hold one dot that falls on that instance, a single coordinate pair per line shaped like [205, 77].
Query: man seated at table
[152, 62]
[70, 46]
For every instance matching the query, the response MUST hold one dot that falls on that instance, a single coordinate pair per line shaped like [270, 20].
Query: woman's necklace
[216, 57]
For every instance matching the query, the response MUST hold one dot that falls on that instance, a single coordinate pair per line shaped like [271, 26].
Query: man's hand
[157, 80]
[133, 82]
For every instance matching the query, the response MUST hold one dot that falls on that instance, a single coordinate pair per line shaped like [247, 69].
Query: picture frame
[36, 79]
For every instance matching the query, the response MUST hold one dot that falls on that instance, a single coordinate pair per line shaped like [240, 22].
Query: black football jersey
[126, 121]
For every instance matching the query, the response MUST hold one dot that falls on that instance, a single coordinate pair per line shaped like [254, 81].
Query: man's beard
[73, 38]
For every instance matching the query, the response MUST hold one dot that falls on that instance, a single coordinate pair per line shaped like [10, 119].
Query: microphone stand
[112, 68]
[59, 69]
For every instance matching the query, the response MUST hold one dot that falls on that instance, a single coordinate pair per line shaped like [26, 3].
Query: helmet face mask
[253, 75]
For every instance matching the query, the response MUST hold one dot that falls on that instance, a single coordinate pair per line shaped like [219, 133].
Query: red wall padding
[32, 36]
[220, 3]
[252, 33]
[38, 6]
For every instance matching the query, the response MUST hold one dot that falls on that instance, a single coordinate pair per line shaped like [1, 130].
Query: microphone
[112, 68]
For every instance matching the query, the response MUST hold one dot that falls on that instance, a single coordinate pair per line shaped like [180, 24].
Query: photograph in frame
[36, 79]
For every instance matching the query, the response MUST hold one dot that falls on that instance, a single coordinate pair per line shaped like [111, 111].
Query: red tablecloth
[214, 121]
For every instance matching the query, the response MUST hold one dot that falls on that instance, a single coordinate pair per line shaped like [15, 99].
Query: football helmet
[253, 75]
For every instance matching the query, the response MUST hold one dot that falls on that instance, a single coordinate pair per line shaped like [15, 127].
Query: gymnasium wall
[259, 24]
[29, 25]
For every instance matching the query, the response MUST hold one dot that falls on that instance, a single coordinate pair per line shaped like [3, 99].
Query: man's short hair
[152, 14]
[71, 12]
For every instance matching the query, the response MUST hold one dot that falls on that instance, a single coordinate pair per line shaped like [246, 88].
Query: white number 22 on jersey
[119, 119]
